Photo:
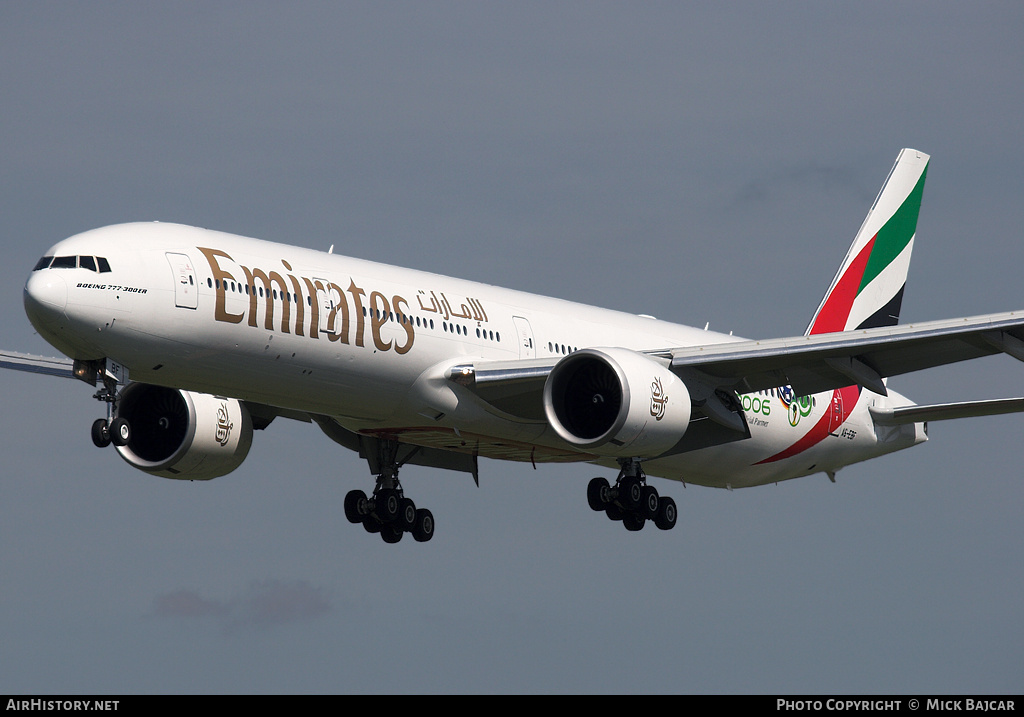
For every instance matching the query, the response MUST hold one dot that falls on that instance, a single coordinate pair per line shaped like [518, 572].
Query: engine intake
[184, 435]
[616, 402]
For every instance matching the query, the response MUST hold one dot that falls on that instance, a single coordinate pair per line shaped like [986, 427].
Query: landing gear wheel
[597, 494]
[633, 521]
[120, 432]
[386, 505]
[423, 530]
[100, 433]
[390, 533]
[355, 506]
[630, 493]
[371, 525]
[666, 519]
[649, 503]
[406, 515]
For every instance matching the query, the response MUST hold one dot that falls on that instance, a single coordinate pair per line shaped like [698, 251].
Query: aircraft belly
[499, 447]
[778, 450]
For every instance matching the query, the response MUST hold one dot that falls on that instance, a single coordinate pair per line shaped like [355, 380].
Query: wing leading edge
[37, 364]
[811, 364]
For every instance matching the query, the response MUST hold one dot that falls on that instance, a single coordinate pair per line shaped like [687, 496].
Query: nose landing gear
[631, 500]
[113, 428]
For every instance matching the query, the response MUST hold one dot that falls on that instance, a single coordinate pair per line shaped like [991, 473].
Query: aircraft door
[328, 301]
[186, 289]
[525, 334]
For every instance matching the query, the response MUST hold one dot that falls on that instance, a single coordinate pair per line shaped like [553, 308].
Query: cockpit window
[92, 263]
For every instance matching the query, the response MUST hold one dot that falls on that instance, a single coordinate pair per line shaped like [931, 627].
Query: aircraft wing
[809, 364]
[513, 387]
[62, 367]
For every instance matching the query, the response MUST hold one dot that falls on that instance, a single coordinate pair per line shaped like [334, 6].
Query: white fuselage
[369, 344]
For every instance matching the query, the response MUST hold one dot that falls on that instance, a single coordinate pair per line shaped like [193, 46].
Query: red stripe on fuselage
[824, 426]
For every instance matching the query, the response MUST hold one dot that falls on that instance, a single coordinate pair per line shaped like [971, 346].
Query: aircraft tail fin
[868, 289]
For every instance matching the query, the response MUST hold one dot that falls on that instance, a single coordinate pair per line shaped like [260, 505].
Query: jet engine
[616, 402]
[184, 435]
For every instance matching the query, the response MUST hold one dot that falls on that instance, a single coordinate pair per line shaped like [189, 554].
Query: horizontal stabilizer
[946, 411]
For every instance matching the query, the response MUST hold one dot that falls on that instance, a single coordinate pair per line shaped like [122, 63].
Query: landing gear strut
[112, 429]
[631, 500]
[387, 511]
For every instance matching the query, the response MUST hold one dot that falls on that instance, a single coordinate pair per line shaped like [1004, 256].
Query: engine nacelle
[184, 435]
[616, 402]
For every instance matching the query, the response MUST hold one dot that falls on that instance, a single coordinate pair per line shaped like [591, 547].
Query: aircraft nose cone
[46, 295]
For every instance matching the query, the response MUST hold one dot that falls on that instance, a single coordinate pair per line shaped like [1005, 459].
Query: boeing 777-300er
[196, 338]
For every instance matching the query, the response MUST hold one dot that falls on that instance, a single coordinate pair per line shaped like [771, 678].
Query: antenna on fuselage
[331, 250]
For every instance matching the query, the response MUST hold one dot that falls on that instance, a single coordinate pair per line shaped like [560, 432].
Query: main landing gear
[631, 500]
[387, 511]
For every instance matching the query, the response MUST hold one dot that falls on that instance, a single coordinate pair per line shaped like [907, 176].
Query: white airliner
[196, 338]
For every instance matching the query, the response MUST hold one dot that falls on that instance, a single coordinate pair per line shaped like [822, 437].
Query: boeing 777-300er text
[196, 338]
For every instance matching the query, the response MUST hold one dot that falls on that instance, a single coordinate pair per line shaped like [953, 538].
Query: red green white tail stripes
[868, 289]
[867, 292]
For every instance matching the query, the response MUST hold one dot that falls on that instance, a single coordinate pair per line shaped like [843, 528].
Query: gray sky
[700, 163]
